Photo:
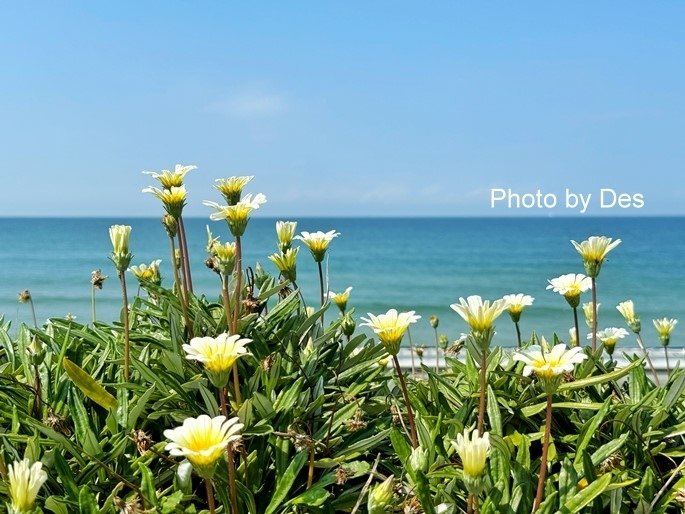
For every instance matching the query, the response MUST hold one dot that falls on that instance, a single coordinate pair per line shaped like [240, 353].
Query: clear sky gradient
[341, 108]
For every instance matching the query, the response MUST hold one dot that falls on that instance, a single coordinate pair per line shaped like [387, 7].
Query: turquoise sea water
[417, 264]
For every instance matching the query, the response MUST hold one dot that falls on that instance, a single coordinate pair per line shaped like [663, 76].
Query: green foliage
[616, 438]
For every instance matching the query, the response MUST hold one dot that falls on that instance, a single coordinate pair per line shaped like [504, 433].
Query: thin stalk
[575, 322]
[38, 405]
[340, 394]
[310, 472]
[543, 459]
[483, 390]
[469, 504]
[226, 300]
[668, 364]
[405, 392]
[641, 344]
[321, 287]
[210, 496]
[236, 312]
[518, 334]
[411, 352]
[437, 351]
[594, 314]
[92, 302]
[231, 480]
[183, 243]
[124, 295]
[230, 464]
[179, 286]
[33, 312]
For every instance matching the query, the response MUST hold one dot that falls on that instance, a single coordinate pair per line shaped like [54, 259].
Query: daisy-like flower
[548, 365]
[145, 273]
[516, 303]
[593, 252]
[572, 340]
[173, 199]
[217, 354]
[587, 311]
[225, 256]
[203, 441]
[236, 215]
[318, 242]
[286, 263]
[473, 451]
[340, 299]
[25, 480]
[627, 310]
[610, 336]
[231, 188]
[121, 256]
[170, 179]
[480, 315]
[570, 286]
[664, 327]
[390, 327]
[285, 231]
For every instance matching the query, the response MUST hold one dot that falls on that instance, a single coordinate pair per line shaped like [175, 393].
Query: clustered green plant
[247, 401]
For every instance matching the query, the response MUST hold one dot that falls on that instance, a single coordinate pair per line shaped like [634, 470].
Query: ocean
[421, 264]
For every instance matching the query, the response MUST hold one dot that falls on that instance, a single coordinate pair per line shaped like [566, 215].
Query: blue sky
[354, 108]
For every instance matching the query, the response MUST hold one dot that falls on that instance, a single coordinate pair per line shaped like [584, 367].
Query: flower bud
[381, 496]
[419, 459]
[443, 341]
[347, 325]
[170, 225]
[434, 321]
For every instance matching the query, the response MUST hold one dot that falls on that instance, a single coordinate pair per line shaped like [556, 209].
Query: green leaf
[314, 497]
[599, 379]
[531, 410]
[586, 496]
[89, 386]
[86, 501]
[84, 433]
[286, 481]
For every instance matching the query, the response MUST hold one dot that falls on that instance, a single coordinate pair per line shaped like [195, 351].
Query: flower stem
[469, 504]
[231, 480]
[321, 287]
[405, 392]
[236, 313]
[92, 302]
[33, 312]
[210, 496]
[575, 323]
[641, 344]
[483, 390]
[179, 286]
[594, 314]
[310, 472]
[437, 351]
[668, 364]
[183, 243]
[543, 459]
[124, 295]
[518, 334]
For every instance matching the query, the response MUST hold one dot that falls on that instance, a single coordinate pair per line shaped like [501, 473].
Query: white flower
[231, 188]
[390, 327]
[236, 215]
[120, 235]
[318, 242]
[285, 231]
[627, 310]
[664, 327]
[473, 451]
[170, 179]
[571, 284]
[478, 313]
[587, 311]
[340, 299]
[549, 364]
[173, 198]
[593, 252]
[610, 336]
[516, 302]
[217, 353]
[573, 340]
[25, 480]
[148, 273]
[203, 440]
